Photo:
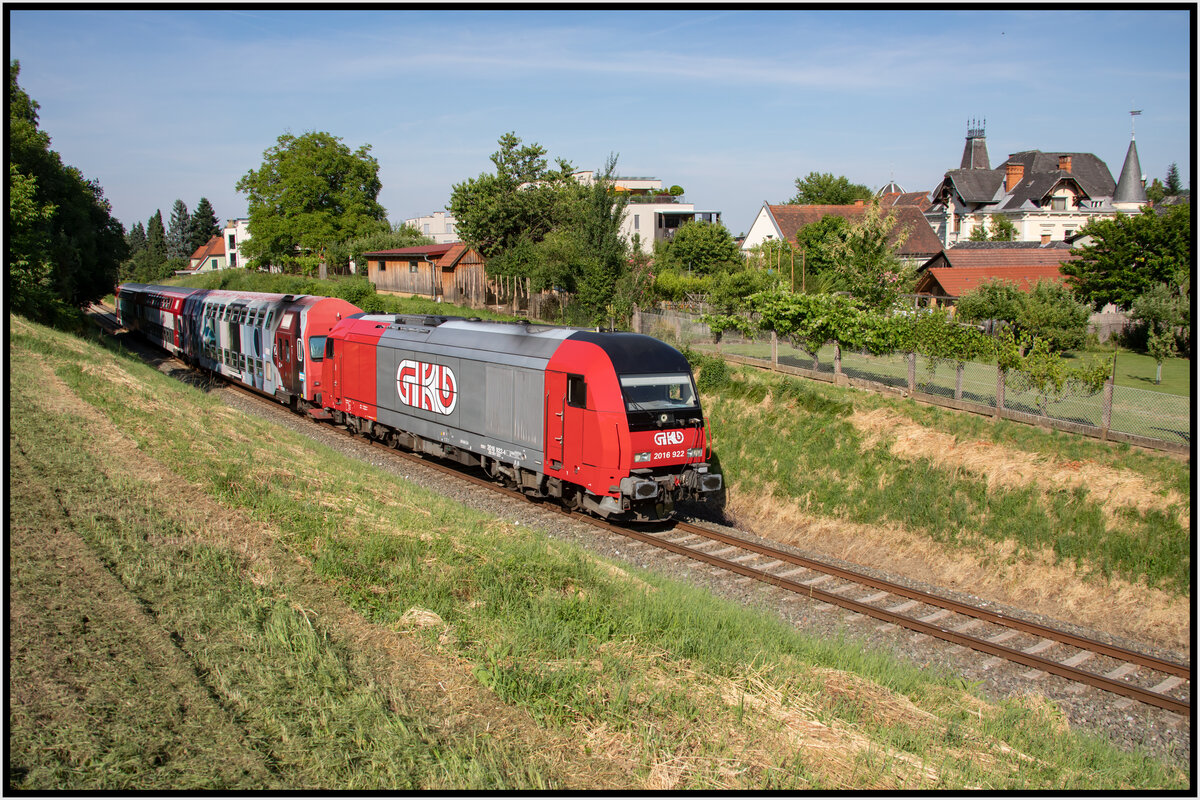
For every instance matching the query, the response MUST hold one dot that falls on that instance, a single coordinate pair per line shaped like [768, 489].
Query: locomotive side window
[576, 391]
[329, 348]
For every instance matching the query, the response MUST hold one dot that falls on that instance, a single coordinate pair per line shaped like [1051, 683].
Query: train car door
[566, 401]
[284, 353]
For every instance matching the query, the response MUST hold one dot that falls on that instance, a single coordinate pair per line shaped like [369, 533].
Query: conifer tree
[179, 232]
[203, 226]
[156, 238]
[1173, 185]
[136, 238]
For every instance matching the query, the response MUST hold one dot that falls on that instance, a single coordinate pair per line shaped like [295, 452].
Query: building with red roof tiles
[783, 222]
[208, 257]
[952, 283]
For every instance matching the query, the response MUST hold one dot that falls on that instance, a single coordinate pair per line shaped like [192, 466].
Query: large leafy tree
[1049, 312]
[519, 202]
[1161, 310]
[64, 247]
[823, 188]
[704, 248]
[1130, 254]
[202, 226]
[310, 192]
[178, 240]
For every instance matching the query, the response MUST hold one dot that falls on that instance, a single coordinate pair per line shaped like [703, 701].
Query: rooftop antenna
[1132, 114]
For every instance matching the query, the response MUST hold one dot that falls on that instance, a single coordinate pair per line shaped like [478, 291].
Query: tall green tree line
[64, 246]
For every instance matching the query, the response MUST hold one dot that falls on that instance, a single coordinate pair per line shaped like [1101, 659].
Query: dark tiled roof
[1090, 172]
[977, 185]
[1129, 187]
[921, 240]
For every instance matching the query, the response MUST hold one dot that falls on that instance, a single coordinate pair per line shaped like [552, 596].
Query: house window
[1058, 204]
[426, 228]
[412, 266]
[636, 222]
[382, 266]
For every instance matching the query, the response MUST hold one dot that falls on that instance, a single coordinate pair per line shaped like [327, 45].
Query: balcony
[635, 199]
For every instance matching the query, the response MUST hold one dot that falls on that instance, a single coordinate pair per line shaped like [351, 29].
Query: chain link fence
[1138, 416]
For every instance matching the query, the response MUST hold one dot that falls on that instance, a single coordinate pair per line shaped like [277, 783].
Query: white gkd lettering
[430, 387]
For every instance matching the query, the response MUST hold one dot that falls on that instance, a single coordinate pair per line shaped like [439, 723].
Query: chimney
[1013, 173]
[859, 203]
[1064, 163]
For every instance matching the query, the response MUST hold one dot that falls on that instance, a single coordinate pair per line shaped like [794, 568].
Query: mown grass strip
[671, 686]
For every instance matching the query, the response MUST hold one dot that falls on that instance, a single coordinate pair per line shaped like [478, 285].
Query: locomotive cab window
[658, 392]
[576, 391]
[316, 348]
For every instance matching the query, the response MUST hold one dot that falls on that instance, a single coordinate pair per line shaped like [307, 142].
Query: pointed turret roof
[1129, 185]
[975, 154]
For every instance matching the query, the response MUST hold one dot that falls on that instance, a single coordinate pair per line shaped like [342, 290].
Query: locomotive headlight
[639, 457]
[695, 452]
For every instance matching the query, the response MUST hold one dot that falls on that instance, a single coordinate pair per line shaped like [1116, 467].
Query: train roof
[630, 353]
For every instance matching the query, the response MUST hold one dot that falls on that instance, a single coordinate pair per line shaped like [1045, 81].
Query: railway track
[1046, 651]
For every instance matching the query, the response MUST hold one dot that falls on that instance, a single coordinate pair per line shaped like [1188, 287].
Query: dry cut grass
[1034, 581]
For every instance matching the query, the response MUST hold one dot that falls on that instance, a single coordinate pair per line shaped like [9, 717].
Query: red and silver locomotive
[608, 422]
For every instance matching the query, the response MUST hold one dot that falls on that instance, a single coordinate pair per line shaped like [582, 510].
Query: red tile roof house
[207, 258]
[782, 222]
[956, 271]
[451, 271]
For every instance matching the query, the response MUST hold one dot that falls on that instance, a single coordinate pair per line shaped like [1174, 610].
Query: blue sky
[733, 105]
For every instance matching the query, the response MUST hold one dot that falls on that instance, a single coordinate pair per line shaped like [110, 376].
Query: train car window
[316, 348]
[576, 391]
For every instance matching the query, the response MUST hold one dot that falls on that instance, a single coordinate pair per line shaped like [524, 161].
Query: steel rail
[1028, 659]
[1101, 648]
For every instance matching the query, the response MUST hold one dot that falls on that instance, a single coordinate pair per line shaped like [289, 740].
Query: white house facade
[439, 226]
[653, 214]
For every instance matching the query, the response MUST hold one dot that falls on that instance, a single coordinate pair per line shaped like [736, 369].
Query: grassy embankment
[203, 600]
[1062, 524]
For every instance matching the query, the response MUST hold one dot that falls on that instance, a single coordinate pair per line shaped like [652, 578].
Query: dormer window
[1058, 204]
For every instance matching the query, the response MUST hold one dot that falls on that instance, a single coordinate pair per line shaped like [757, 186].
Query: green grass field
[203, 601]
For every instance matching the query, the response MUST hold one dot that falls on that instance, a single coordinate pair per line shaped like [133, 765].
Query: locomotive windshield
[658, 392]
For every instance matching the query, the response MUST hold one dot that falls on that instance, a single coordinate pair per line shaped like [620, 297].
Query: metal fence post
[912, 373]
[774, 351]
[1106, 410]
[999, 391]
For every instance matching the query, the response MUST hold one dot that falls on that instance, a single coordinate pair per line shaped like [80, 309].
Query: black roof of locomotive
[633, 353]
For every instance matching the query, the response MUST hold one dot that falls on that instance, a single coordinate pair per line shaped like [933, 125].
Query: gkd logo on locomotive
[668, 437]
[430, 387]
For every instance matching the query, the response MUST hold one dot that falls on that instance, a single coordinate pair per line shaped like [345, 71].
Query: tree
[1155, 192]
[310, 192]
[178, 232]
[136, 238]
[1173, 185]
[704, 248]
[991, 300]
[599, 220]
[1130, 254]
[338, 256]
[866, 262]
[202, 227]
[156, 237]
[520, 201]
[64, 247]
[1051, 313]
[822, 188]
[1161, 310]
[1002, 229]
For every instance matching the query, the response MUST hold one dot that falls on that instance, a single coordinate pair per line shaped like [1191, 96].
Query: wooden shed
[453, 272]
